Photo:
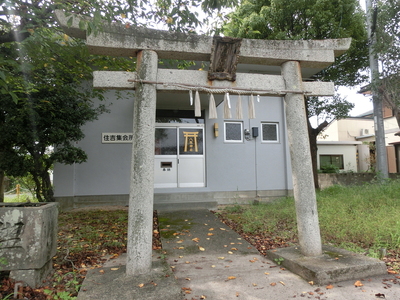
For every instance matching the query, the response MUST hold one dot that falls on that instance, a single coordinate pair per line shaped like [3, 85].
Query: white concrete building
[359, 131]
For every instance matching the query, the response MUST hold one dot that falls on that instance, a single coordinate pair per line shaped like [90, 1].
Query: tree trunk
[38, 187]
[396, 114]
[47, 189]
[312, 136]
[2, 186]
[313, 149]
[388, 101]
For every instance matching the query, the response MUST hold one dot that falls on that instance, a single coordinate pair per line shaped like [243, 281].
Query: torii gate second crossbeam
[150, 45]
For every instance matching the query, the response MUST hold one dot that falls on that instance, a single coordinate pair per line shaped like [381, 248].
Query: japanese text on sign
[114, 138]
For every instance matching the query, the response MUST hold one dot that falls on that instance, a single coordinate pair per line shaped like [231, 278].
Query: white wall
[346, 129]
[349, 153]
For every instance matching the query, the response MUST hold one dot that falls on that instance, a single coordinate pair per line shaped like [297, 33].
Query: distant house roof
[338, 143]
[367, 114]
[365, 90]
[361, 137]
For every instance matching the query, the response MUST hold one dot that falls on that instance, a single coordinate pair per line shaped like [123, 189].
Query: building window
[269, 132]
[233, 132]
[329, 161]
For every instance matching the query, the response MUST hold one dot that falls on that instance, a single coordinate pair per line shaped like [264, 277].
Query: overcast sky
[362, 103]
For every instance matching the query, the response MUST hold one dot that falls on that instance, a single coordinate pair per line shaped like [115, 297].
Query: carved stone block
[28, 239]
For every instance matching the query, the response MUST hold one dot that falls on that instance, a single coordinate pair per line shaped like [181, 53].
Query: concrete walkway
[210, 261]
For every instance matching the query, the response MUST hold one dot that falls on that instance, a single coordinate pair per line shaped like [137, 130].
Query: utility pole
[380, 147]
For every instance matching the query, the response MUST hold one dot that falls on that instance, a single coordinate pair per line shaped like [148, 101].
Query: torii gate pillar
[141, 195]
[302, 174]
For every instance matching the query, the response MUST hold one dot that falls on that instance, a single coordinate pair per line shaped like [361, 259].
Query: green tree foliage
[52, 106]
[43, 99]
[305, 20]
[386, 27]
[387, 30]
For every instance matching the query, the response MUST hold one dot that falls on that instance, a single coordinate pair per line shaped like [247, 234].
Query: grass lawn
[362, 219]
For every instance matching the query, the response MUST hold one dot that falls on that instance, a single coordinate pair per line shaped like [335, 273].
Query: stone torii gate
[148, 46]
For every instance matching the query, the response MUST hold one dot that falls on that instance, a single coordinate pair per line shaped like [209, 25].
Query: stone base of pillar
[33, 277]
[333, 265]
[113, 283]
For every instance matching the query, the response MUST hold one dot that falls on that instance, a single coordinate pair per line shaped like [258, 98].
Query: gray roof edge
[339, 143]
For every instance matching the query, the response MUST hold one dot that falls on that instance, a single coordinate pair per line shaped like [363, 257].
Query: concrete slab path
[211, 261]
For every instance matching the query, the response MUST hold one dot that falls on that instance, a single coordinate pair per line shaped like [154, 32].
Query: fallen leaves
[330, 286]
[113, 236]
[274, 283]
[142, 284]
[231, 277]
[87, 239]
[262, 242]
[358, 283]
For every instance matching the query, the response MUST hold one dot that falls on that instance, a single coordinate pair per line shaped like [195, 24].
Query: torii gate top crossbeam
[252, 82]
[116, 40]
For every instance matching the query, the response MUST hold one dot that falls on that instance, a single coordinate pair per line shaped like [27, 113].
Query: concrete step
[210, 205]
